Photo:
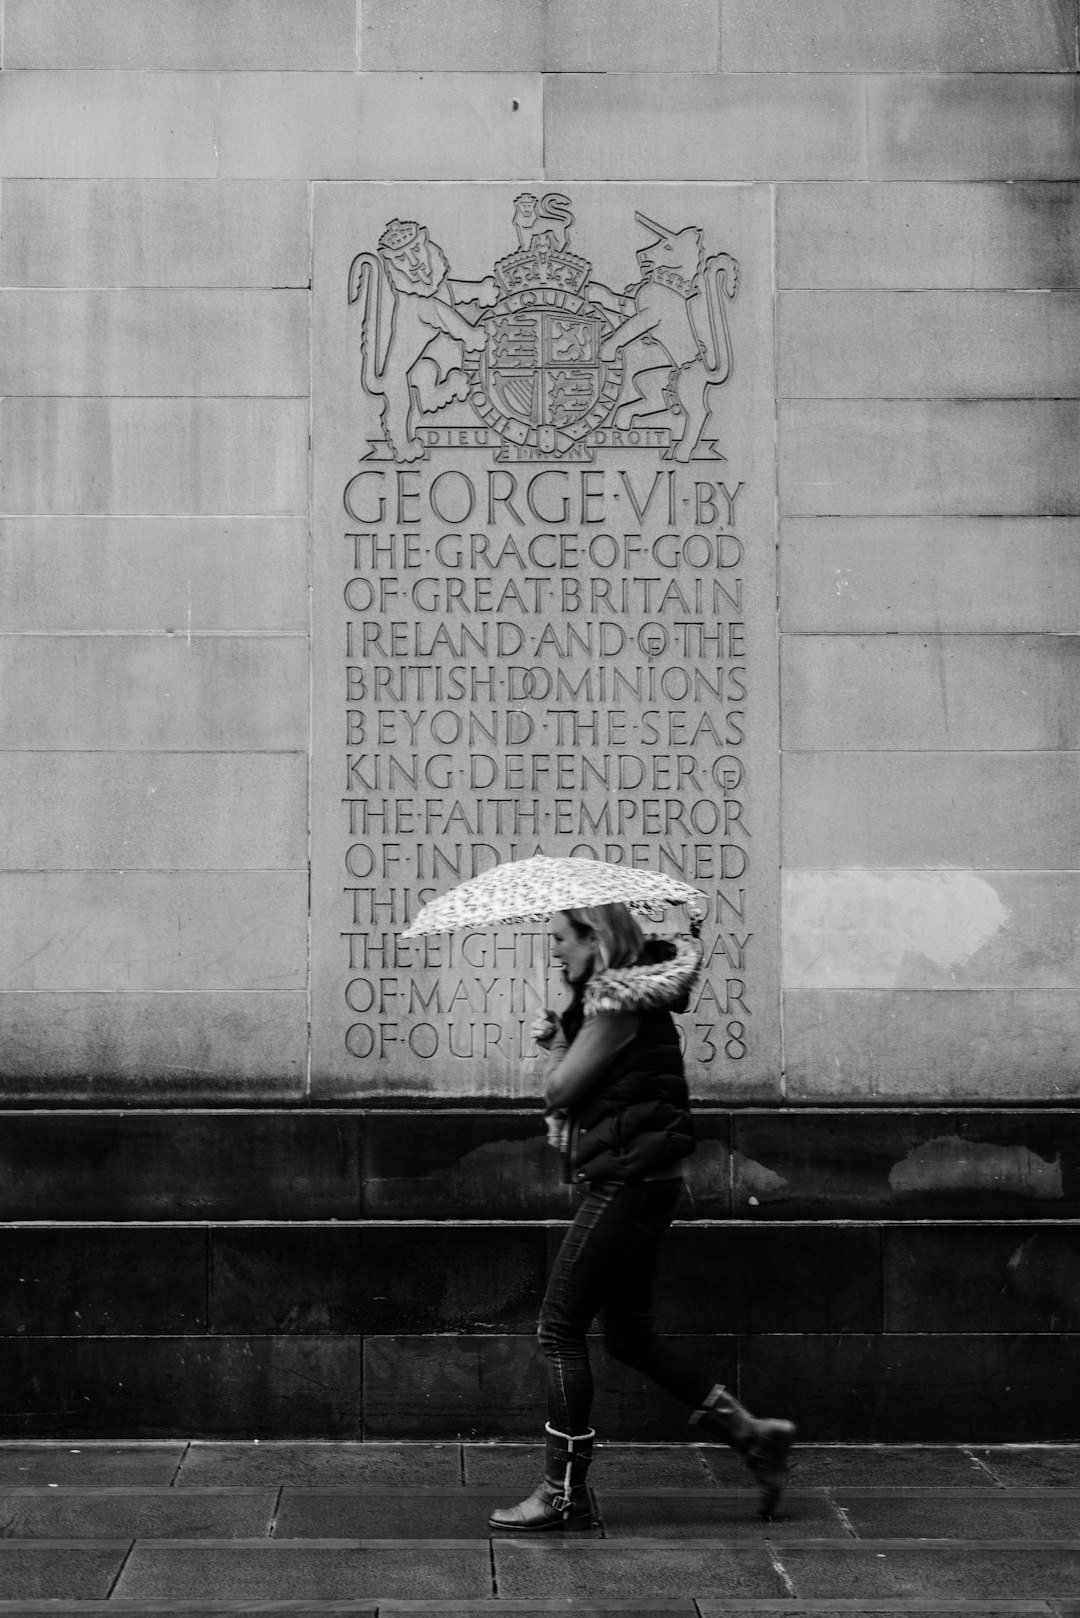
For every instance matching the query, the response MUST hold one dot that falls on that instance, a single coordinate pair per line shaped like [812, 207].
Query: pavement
[216, 1528]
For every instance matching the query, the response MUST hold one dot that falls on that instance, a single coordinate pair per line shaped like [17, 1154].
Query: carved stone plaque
[544, 606]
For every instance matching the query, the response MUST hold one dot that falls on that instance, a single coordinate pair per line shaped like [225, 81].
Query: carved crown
[542, 265]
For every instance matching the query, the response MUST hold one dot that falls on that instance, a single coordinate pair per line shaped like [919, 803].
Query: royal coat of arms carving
[540, 360]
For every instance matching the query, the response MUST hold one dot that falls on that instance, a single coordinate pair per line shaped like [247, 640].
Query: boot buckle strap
[712, 1398]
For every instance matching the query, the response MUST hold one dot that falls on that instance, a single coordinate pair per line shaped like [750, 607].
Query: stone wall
[212, 1229]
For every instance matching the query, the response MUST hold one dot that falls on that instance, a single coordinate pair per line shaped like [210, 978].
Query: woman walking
[618, 1106]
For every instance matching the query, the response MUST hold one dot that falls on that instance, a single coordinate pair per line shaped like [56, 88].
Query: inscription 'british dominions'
[541, 564]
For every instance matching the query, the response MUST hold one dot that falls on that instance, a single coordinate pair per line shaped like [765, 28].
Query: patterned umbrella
[531, 890]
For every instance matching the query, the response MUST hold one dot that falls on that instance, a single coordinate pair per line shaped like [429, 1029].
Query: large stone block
[130, 233]
[246, 457]
[462, 1165]
[993, 1163]
[928, 235]
[193, 1048]
[535, 630]
[717, 1279]
[999, 811]
[152, 575]
[729, 126]
[1008, 126]
[931, 1388]
[952, 575]
[448, 1387]
[931, 691]
[108, 125]
[861, 929]
[926, 345]
[990, 1280]
[379, 126]
[209, 693]
[151, 930]
[206, 1387]
[250, 1164]
[160, 811]
[938, 456]
[912, 1045]
[544, 36]
[104, 1282]
[417, 1278]
[874, 36]
[199, 343]
[292, 34]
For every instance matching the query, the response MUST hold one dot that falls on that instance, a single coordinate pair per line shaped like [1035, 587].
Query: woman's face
[574, 954]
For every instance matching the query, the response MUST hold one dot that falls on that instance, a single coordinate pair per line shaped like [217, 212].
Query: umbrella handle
[697, 912]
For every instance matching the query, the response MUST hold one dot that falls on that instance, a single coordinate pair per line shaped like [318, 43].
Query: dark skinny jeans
[607, 1266]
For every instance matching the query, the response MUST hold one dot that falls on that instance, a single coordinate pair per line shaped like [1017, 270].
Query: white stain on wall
[885, 929]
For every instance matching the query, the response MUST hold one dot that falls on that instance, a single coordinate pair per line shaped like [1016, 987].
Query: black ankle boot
[763, 1445]
[561, 1498]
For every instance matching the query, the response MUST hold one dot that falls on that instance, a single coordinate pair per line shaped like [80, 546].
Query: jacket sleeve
[587, 1060]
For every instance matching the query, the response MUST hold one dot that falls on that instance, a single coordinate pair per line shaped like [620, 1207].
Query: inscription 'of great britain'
[538, 623]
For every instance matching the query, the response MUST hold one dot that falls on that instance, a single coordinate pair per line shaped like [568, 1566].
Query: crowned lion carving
[413, 337]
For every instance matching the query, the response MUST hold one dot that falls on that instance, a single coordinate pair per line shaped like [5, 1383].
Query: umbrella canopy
[533, 889]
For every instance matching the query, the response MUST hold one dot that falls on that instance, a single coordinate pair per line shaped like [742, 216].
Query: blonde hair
[619, 940]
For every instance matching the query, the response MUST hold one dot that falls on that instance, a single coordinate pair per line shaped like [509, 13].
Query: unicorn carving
[674, 336]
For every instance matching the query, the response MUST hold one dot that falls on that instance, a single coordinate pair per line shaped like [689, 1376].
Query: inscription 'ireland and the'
[543, 621]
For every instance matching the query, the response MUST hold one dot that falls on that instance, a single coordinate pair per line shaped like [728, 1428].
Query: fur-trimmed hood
[661, 981]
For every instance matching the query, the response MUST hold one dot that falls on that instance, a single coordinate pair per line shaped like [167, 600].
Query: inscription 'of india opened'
[544, 606]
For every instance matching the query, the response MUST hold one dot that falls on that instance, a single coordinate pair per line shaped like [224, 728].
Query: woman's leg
[632, 1338]
[575, 1292]
[627, 1315]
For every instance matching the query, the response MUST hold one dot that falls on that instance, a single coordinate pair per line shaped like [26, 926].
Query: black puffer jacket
[638, 1121]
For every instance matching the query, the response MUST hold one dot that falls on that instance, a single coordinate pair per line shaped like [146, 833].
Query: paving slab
[959, 1514]
[72, 1569]
[204, 1609]
[615, 1466]
[387, 1513]
[719, 1514]
[150, 1513]
[814, 1467]
[593, 1570]
[1016, 1570]
[879, 1609]
[323, 1570]
[1043, 1465]
[353, 1465]
[134, 1465]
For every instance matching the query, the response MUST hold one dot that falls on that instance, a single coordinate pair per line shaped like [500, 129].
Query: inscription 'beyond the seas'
[512, 689]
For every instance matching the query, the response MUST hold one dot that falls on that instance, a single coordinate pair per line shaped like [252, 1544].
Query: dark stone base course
[864, 1389]
[471, 1163]
[390, 1280]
